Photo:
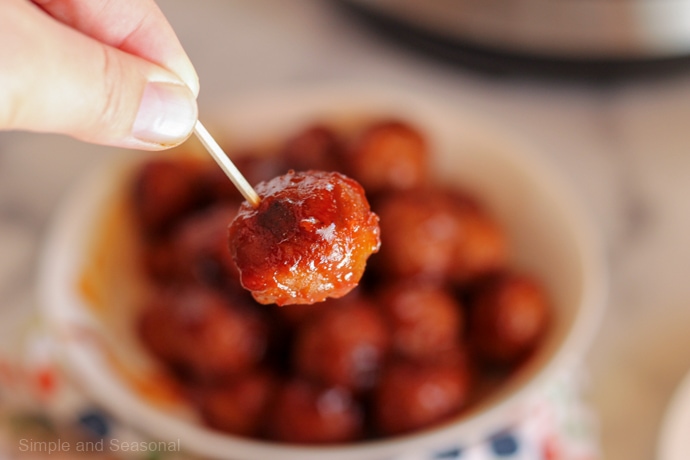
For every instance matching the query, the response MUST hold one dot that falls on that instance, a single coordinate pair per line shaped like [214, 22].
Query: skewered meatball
[389, 155]
[343, 345]
[201, 333]
[425, 320]
[239, 406]
[306, 413]
[413, 395]
[308, 239]
[510, 315]
[164, 190]
[316, 147]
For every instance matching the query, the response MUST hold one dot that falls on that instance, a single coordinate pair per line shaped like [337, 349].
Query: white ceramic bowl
[549, 233]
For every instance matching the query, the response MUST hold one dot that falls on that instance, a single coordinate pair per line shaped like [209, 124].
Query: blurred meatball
[316, 147]
[199, 332]
[412, 396]
[420, 234]
[164, 190]
[306, 413]
[299, 313]
[436, 233]
[482, 248]
[389, 155]
[200, 248]
[343, 345]
[424, 319]
[159, 261]
[238, 406]
[307, 240]
[509, 316]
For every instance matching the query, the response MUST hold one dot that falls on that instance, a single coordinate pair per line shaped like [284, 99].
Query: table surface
[624, 147]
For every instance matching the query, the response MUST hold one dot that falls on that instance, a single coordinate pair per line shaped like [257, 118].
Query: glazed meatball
[164, 190]
[420, 234]
[482, 248]
[238, 406]
[389, 155]
[306, 413]
[201, 333]
[438, 234]
[307, 240]
[342, 345]
[509, 316]
[424, 319]
[316, 147]
[412, 395]
[200, 248]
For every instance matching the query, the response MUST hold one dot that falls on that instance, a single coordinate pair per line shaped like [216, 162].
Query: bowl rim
[55, 259]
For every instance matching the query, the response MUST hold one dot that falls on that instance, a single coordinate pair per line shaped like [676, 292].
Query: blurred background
[610, 114]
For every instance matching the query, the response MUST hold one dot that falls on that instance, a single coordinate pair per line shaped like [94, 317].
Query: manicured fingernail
[167, 114]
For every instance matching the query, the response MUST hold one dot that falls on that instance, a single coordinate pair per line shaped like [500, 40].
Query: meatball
[316, 147]
[164, 190]
[482, 250]
[307, 240]
[420, 232]
[509, 316]
[158, 261]
[202, 334]
[389, 155]
[343, 345]
[200, 248]
[413, 395]
[424, 319]
[438, 234]
[238, 406]
[306, 413]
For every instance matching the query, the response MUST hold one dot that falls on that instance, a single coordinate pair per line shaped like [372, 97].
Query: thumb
[61, 81]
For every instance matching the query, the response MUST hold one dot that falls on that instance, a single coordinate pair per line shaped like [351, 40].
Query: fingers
[55, 79]
[135, 26]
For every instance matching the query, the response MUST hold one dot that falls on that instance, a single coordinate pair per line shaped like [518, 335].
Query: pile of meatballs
[438, 317]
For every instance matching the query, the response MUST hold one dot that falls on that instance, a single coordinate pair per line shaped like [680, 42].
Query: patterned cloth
[43, 415]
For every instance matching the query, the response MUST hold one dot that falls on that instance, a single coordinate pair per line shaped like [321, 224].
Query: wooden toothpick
[226, 165]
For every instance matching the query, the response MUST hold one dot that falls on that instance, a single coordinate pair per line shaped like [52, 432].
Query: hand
[104, 71]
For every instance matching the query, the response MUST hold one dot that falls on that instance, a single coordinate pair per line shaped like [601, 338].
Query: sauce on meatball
[308, 239]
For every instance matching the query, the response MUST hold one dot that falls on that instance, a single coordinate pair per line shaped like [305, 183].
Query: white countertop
[625, 147]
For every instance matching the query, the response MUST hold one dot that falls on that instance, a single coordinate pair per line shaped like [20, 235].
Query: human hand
[104, 71]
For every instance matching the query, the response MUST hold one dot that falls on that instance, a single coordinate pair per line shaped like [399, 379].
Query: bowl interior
[546, 228]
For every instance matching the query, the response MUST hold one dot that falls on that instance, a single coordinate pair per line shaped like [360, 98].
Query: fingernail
[167, 114]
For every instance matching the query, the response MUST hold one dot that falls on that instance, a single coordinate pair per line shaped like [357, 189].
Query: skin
[82, 68]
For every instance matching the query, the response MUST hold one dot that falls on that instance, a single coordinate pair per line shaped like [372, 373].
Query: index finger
[137, 27]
